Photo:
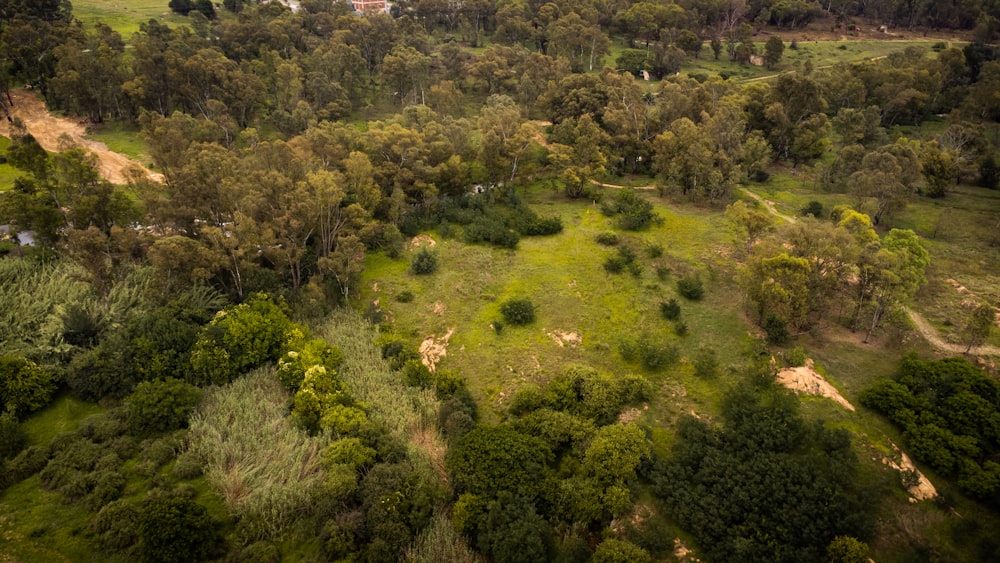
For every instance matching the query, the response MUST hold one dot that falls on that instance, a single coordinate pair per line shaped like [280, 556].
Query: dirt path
[617, 187]
[770, 206]
[931, 335]
[50, 130]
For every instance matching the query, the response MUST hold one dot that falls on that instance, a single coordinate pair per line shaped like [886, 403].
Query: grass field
[124, 16]
[7, 172]
[122, 138]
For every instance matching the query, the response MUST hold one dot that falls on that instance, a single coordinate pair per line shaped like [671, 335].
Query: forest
[500, 280]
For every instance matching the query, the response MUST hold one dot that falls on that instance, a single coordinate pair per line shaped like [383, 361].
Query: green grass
[124, 16]
[123, 138]
[564, 277]
[64, 414]
[7, 172]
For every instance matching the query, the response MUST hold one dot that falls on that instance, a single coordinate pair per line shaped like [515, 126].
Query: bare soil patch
[422, 240]
[52, 133]
[563, 338]
[432, 349]
[921, 488]
[805, 379]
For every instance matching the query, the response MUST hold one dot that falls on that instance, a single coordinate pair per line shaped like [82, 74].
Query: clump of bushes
[691, 287]
[671, 310]
[161, 406]
[631, 212]
[607, 238]
[706, 363]
[814, 208]
[623, 260]
[518, 311]
[405, 296]
[424, 262]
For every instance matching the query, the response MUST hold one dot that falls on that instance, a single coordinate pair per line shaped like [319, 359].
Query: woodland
[501, 280]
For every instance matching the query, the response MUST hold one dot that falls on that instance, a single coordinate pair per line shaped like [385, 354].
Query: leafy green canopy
[765, 486]
[949, 411]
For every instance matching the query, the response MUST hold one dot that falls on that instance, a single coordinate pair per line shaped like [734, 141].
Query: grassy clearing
[64, 414]
[564, 277]
[7, 172]
[125, 16]
[121, 138]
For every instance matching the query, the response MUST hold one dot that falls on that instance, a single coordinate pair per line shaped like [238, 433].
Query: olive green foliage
[584, 392]
[845, 549]
[671, 310]
[161, 406]
[630, 211]
[424, 262]
[176, 530]
[518, 311]
[758, 488]
[619, 551]
[490, 459]
[949, 412]
[240, 337]
[691, 287]
[607, 238]
[706, 363]
[13, 439]
[302, 354]
[24, 387]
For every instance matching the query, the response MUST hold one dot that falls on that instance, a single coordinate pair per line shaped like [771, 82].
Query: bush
[24, 387]
[671, 310]
[116, 525]
[814, 208]
[631, 212]
[654, 250]
[656, 355]
[175, 530]
[775, 329]
[543, 226]
[13, 439]
[614, 265]
[706, 363]
[795, 357]
[405, 296]
[690, 287]
[424, 262]
[606, 238]
[161, 406]
[518, 311]
[187, 466]
[680, 327]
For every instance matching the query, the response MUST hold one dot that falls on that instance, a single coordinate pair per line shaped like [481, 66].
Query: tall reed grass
[266, 470]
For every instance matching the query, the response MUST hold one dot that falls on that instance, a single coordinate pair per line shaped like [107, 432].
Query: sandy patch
[51, 132]
[681, 552]
[432, 349]
[923, 489]
[629, 416]
[421, 240]
[438, 308]
[804, 379]
[564, 339]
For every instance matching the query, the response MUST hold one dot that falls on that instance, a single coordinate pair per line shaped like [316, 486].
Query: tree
[778, 286]
[688, 42]
[747, 224]
[845, 549]
[161, 406]
[885, 179]
[977, 326]
[24, 386]
[615, 453]
[505, 138]
[175, 530]
[889, 274]
[773, 50]
[940, 168]
[619, 551]
[490, 459]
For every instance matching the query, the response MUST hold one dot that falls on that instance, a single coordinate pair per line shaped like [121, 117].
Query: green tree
[490, 459]
[886, 179]
[620, 551]
[176, 530]
[24, 386]
[161, 406]
[747, 224]
[940, 168]
[977, 326]
[773, 51]
[778, 286]
[689, 42]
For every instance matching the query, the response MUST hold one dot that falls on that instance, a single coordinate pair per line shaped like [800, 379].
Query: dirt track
[50, 131]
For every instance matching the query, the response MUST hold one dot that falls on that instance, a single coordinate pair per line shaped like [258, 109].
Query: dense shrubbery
[24, 386]
[175, 530]
[630, 211]
[765, 486]
[161, 406]
[691, 287]
[949, 412]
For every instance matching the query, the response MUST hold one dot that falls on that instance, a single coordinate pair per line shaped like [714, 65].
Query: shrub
[518, 311]
[680, 327]
[775, 329]
[795, 357]
[631, 212]
[654, 250]
[187, 466]
[662, 272]
[175, 530]
[691, 287]
[614, 265]
[161, 406]
[544, 226]
[671, 310]
[405, 296]
[656, 355]
[424, 262]
[814, 208]
[13, 439]
[607, 238]
[706, 363]
[24, 387]
[117, 525]
[416, 374]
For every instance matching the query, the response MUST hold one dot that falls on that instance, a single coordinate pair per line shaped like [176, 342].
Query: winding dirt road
[932, 336]
[51, 132]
